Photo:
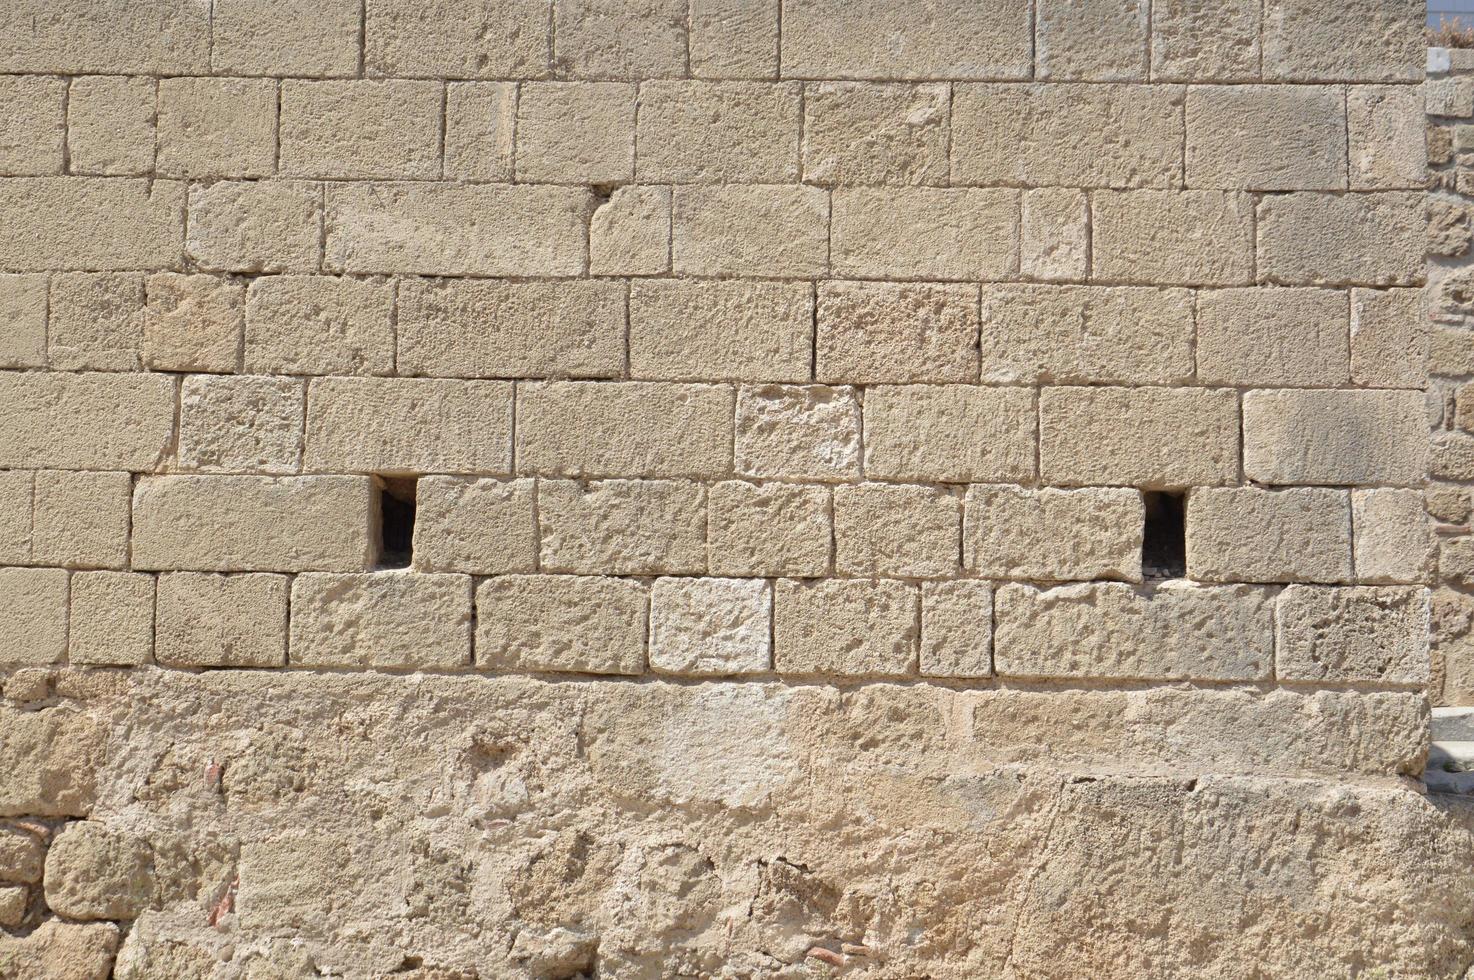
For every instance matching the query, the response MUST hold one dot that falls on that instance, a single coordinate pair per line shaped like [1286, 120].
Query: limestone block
[1266, 137]
[1352, 239]
[63, 950]
[1244, 534]
[216, 127]
[649, 429]
[576, 132]
[16, 515]
[705, 330]
[150, 37]
[358, 130]
[22, 854]
[480, 126]
[282, 37]
[1449, 504]
[1450, 226]
[1387, 149]
[1177, 238]
[33, 614]
[246, 424]
[582, 624]
[393, 619]
[95, 321]
[870, 133]
[1363, 633]
[1449, 97]
[110, 125]
[896, 529]
[1205, 40]
[193, 323]
[111, 618]
[53, 223]
[1451, 457]
[255, 226]
[1071, 135]
[713, 132]
[763, 230]
[897, 332]
[435, 229]
[55, 757]
[1145, 437]
[14, 900]
[34, 110]
[949, 433]
[1101, 42]
[1389, 338]
[850, 627]
[1394, 542]
[1290, 337]
[1356, 41]
[85, 421]
[630, 234]
[768, 529]
[456, 38]
[925, 232]
[23, 302]
[221, 620]
[734, 38]
[1054, 234]
[1121, 334]
[620, 38]
[956, 629]
[1053, 535]
[711, 626]
[471, 328]
[1180, 631]
[1334, 437]
[879, 39]
[253, 523]
[622, 527]
[1450, 351]
[80, 520]
[408, 425]
[94, 872]
[799, 432]
[486, 527]
[323, 325]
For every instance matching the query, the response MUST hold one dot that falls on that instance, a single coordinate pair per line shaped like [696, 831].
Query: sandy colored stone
[94, 873]
[925, 232]
[878, 39]
[63, 950]
[576, 132]
[768, 529]
[481, 526]
[360, 130]
[1334, 437]
[583, 624]
[1256, 336]
[392, 619]
[216, 127]
[456, 38]
[1178, 238]
[896, 529]
[193, 323]
[1096, 42]
[80, 520]
[848, 627]
[1054, 234]
[23, 302]
[696, 330]
[868, 133]
[1052, 535]
[111, 619]
[272, 523]
[711, 626]
[80, 37]
[896, 332]
[1244, 534]
[713, 132]
[16, 515]
[1363, 633]
[255, 226]
[629, 235]
[622, 527]
[35, 127]
[1359, 40]
[766, 230]
[53, 223]
[248, 424]
[320, 325]
[54, 759]
[800, 432]
[1394, 542]
[957, 629]
[34, 615]
[283, 37]
[1205, 40]
[480, 125]
[85, 421]
[1266, 137]
[734, 38]
[1355, 239]
[110, 125]
[1449, 97]
[949, 433]
[207, 620]
[620, 38]
[22, 854]
[14, 900]
[1387, 145]
[95, 321]
[402, 425]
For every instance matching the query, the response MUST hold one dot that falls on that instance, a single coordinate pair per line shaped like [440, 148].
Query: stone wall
[646, 488]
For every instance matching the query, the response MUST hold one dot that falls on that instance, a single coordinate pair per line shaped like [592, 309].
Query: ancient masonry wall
[639, 488]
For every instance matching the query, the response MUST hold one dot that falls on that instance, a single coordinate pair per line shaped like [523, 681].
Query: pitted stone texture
[1054, 234]
[768, 529]
[456, 38]
[867, 133]
[486, 527]
[216, 127]
[1266, 137]
[1096, 42]
[480, 122]
[241, 424]
[1053, 535]
[584, 624]
[956, 629]
[1290, 337]
[23, 301]
[94, 873]
[22, 853]
[281, 37]
[949, 433]
[619, 38]
[1363, 633]
[1178, 238]
[360, 130]
[712, 132]
[80, 520]
[720, 330]
[111, 125]
[762, 230]
[78, 37]
[1394, 542]
[55, 757]
[35, 115]
[629, 235]
[875, 332]
[111, 619]
[382, 619]
[1361, 41]
[807, 432]
[897, 530]
[222, 620]
[622, 527]
[95, 321]
[62, 950]
[1353, 239]
[255, 226]
[1390, 338]
[847, 627]
[575, 132]
[193, 323]
[34, 615]
[924, 232]
[712, 626]
[1388, 148]
[734, 38]
[53, 223]
[1203, 40]
[320, 325]
[1244, 534]
[1334, 437]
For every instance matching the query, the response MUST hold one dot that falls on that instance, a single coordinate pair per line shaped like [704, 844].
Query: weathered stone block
[216, 127]
[711, 132]
[480, 126]
[1054, 234]
[80, 520]
[1363, 633]
[94, 872]
[925, 232]
[1053, 535]
[711, 626]
[699, 330]
[394, 619]
[734, 38]
[622, 527]
[53, 222]
[799, 432]
[957, 629]
[1177, 238]
[95, 321]
[1352, 239]
[357, 130]
[324, 325]
[85, 421]
[1266, 137]
[896, 529]
[576, 132]
[1389, 338]
[34, 110]
[193, 323]
[848, 627]
[282, 37]
[1358, 41]
[22, 854]
[111, 620]
[456, 38]
[1205, 40]
[221, 620]
[869, 133]
[150, 37]
[765, 230]
[110, 125]
[255, 226]
[33, 614]
[240, 424]
[1255, 336]
[1244, 534]
[1095, 42]
[582, 624]
[1394, 542]
[949, 433]
[768, 529]
[1449, 97]
[620, 38]
[1388, 150]
[1335, 437]
[897, 332]
[629, 235]
[486, 527]
[23, 301]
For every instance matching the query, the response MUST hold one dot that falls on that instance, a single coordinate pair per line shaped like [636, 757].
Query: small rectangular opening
[1164, 538]
[396, 520]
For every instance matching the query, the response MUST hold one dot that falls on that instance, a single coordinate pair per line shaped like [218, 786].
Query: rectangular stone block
[1180, 631]
[111, 125]
[768, 529]
[23, 301]
[1339, 438]
[1289, 337]
[574, 623]
[734, 38]
[395, 619]
[284, 37]
[1351, 239]
[896, 332]
[956, 629]
[434, 229]
[95, 321]
[1053, 535]
[1389, 338]
[1174, 238]
[1244, 534]
[248, 424]
[34, 110]
[33, 614]
[1388, 149]
[1449, 97]
[648, 429]
[629, 235]
[193, 322]
[216, 127]
[456, 38]
[149, 37]
[485, 527]
[1266, 137]
[1374, 634]
[1054, 234]
[703, 330]
[620, 38]
[403, 425]
[849, 627]
[465, 328]
[1069, 135]
[111, 622]
[798, 432]
[896, 529]
[881, 39]
[1351, 41]
[925, 233]
[1205, 40]
[711, 626]
[80, 520]
[222, 620]
[255, 226]
[714, 132]
[576, 132]
[764, 230]
[357, 130]
[85, 421]
[253, 523]
[1086, 334]
[874, 133]
[17, 512]
[1393, 535]
[480, 127]
[1094, 42]
[1144, 437]
[622, 527]
[323, 325]
[52, 223]
[950, 433]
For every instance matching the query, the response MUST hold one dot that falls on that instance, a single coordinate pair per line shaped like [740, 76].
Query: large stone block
[322, 325]
[1289, 337]
[711, 626]
[576, 623]
[193, 323]
[282, 37]
[486, 527]
[629, 235]
[111, 125]
[1335, 437]
[950, 433]
[1176, 238]
[456, 38]
[217, 127]
[957, 629]
[1053, 535]
[23, 302]
[393, 619]
[896, 529]
[164, 37]
[53, 758]
[1393, 537]
[80, 519]
[1388, 149]
[875, 133]
[1390, 338]
[255, 226]
[360, 130]
[54, 223]
[93, 872]
[885, 332]
[1205, 40]
[33, 613]
[620, 38]
[700, 330]
[241, 424]
[1095, 42]
[849, 627]
[1266, 137]
[1364, 633]
[205, 620]
[95, 321]
[925, 232]
[1355, 41]
[85, 421]
[760, 230]
[622, 527]
[768, 529]
[713, 132]
[1244, 534]
[1352, 239]
[798, 432]
[35, 116]
[576, 132]
[480, 129]
[734, 38]
[111, 618]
